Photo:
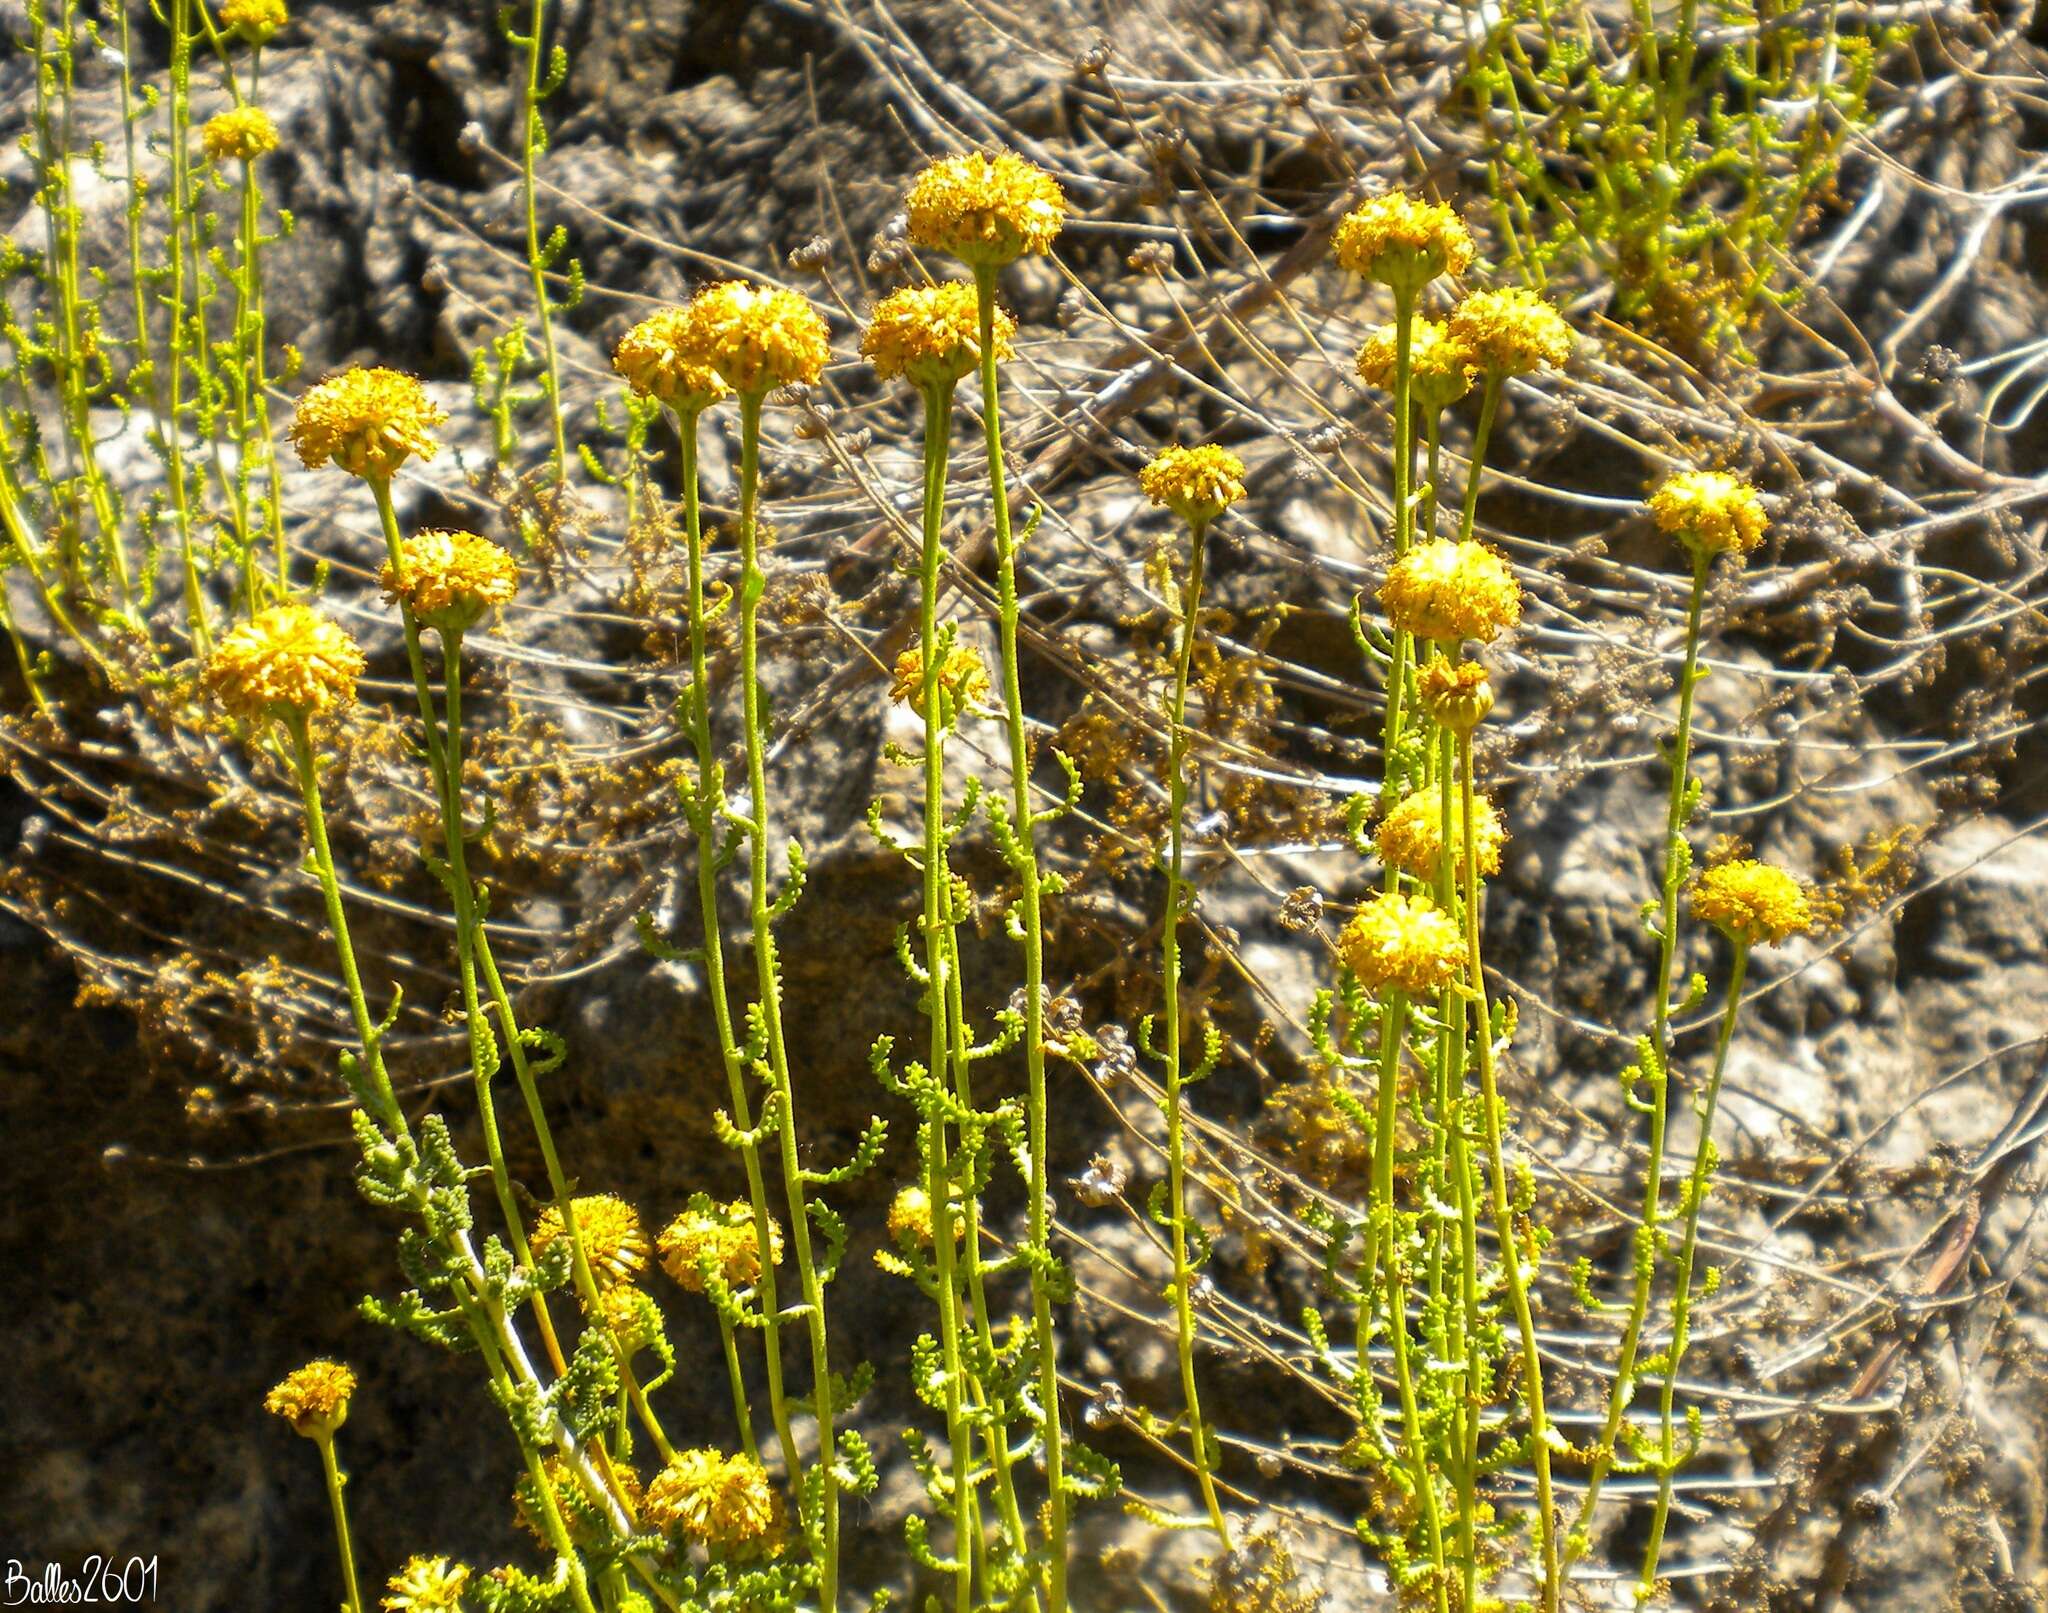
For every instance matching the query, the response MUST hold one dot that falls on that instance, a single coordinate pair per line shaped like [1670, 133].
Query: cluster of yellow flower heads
[1447, 591]
[724, 1235]
[256, 21]
[369, 421]
[724, 1503]
[1402, 242]
[986, 209]
[732, 334]
[241, 134]
[1751, 902]
[1197, 484]
[610, 1231]
[657, 360]
[963, 681]
[1510, 332]
[1440, 367]
[314, 1399]
[930, 336]
[1410, 837]
[450, 579]
[288, 660]
[1402, 943]
[1710, 512]
[427, 1585]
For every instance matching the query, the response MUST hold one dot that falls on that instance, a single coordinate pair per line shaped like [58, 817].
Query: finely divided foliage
[1473, 1458]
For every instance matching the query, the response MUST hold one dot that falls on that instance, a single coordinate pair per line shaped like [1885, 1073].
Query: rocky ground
[180, 1226]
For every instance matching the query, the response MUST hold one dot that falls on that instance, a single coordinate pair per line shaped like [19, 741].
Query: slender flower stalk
[331, 1467]
[1198, 484]
[542, 75]
[1749, 902]
[1649, 1237]
[1451, 1119]
[769, 971]
[1511, 1241]
[1384, 1250]
[1199, 1437]
[939, 965]
[1682, 1295]
[705, 804]
[1031, 916]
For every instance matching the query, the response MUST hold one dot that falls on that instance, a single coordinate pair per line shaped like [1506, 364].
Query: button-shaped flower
[367, 421]
[1402, 943]
[1750, 902]
[930, 336]
[986, 208]
[1710, 512]
[287, 661]
[1447, 591]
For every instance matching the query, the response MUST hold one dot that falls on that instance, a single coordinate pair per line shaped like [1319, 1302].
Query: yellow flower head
[1410, 837]
[1751, 902]
[1197, 484]
[631, 1316]
[963, 681]
[1402, 943]
[427, 1585]
[1449, 591]
[659, 360]
[587, 1523]
[243, 133]
[314, 1399]
[1710, 512]
[986, 209]
[931, 335]
[613, 1242]
[911, 1220]
[725, 1503]
[368, 421]
[755, 337]
[1511, 332]
[1455, 693]
[1402, 241]
[450, 579]
[287, 660]
[723, 1233]
[1439, 368]
[257, 21]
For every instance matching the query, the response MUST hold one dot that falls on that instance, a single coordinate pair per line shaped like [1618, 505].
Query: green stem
[1681, 1300]
[741, 1415]
[710, 792]
[752, 585]
[367, 1036]
[938, 902]
[1647, 1236]
[1176, 1147]
[1489, 405]
[1404, 471]
[335, 1480]
[1047, 1346]
[1468, 1337]
[534, 140]
[1386, 1257]
[1511, 1247]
